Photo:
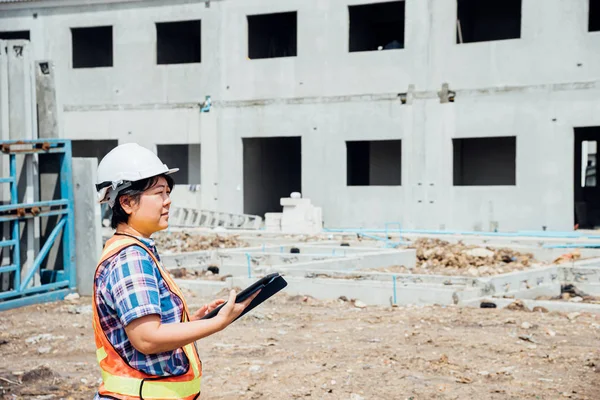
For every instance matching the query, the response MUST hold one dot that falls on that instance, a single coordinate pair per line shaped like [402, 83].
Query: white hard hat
[124, 164]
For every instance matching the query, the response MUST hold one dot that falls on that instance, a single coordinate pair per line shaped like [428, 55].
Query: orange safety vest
[119, 379]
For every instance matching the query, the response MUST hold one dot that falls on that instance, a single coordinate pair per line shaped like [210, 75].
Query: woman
[145, 336]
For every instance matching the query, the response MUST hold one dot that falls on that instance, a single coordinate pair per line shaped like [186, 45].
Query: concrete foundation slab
[558, 306]
[326, 270]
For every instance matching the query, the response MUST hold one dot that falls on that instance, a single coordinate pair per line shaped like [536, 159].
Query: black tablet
[269, 285]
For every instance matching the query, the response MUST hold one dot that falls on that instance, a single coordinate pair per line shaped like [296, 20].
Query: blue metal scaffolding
[56, 283]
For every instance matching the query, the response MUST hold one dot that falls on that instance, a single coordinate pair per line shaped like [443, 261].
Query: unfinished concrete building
[438, 115]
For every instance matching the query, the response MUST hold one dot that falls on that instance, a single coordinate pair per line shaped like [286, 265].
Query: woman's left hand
[205, 309]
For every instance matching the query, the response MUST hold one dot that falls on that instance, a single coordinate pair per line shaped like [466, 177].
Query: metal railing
[57, 282]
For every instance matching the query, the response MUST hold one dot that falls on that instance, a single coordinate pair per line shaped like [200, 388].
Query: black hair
[134, 192]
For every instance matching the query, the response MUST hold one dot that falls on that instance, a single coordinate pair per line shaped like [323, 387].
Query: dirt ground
[295, 347]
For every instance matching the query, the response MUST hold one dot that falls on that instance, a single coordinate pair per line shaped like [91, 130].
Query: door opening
[587, 192]
[272, 170]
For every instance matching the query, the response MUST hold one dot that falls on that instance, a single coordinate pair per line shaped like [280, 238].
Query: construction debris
[569, 257]
[359, 304]
[517, 305]
[438, 257]
[181, 242]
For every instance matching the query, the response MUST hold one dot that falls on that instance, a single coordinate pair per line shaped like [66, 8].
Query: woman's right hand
[230, 311]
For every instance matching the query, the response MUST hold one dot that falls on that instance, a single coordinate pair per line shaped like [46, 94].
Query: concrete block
[273, 222]
[299, 216]
[88, 227]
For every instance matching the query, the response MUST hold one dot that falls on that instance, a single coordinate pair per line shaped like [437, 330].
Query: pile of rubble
[435, 256]
[180, 242]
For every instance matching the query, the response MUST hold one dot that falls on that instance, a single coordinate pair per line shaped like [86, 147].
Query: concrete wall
[536, 88]
[186, 196]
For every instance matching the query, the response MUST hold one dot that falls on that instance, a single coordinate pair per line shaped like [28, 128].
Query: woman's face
[151, 213]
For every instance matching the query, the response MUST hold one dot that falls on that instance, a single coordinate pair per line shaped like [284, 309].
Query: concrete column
[4, 115]
[4, 166]
[48, 127]
[23, 126]
[46, 100]
[209, 153]
[88, 228]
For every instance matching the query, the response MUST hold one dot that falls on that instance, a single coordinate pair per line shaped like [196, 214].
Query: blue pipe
[51, 203]
[395, 299]
[249, 261]
[14, 199]
[45, 288]
[536, 234]
[66, 192]
[573, 246]
[8, 268]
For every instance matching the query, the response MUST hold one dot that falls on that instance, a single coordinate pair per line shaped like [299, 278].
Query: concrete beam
[371, 293]
[517, 281]
[190, 259]
[558, 306]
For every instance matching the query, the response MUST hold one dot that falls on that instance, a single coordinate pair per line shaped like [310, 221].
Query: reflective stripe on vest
[131, 386]
[150, 387]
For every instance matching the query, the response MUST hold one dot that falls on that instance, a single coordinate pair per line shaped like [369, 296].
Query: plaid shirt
[130, 286]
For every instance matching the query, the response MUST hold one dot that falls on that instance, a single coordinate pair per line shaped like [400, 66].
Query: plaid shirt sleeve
[133, 284]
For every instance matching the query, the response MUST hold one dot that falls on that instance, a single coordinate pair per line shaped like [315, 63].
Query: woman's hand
[149, 336]
[205, 309]
[232, 310]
